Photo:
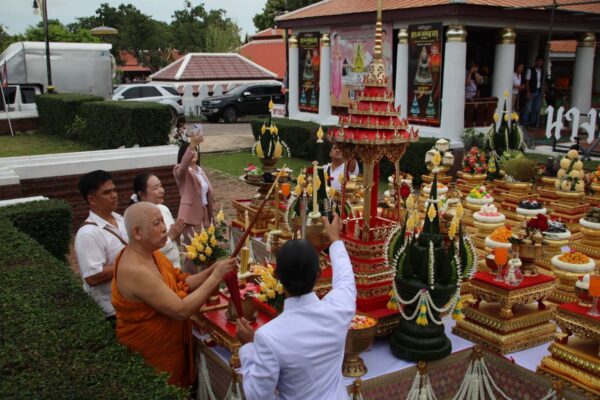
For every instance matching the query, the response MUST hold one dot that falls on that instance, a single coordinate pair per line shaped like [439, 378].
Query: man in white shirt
[299, 354]
[533, 83]
[337, 168]
[100, 239]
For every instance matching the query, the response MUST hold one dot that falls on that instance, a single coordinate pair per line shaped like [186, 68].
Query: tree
[6, 39]
[58, 32]
[273, 8]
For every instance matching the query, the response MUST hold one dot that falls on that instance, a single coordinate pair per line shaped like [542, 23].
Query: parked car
[21, 98]
[154, 93]
[252, 99]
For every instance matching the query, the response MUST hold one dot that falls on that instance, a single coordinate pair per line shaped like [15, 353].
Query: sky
[17, 15]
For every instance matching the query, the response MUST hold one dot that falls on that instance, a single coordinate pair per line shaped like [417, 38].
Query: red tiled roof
[128, 58]
[341, 7]
[563, 46]
[268, 33]
[212, 66]
[133, 68]
[269, 54]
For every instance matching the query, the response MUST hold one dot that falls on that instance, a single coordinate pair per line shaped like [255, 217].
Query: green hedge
[47, 221]
[54, 341]
[111, 124]
[58, 111]
[300, 136]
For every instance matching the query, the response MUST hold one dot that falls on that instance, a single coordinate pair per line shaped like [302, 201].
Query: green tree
[58, 32]
[273, 8]
[6, 39]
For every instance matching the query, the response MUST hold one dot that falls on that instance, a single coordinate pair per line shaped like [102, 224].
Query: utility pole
[36, 10]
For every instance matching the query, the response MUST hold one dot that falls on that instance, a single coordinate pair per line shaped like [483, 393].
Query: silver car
[154, 93]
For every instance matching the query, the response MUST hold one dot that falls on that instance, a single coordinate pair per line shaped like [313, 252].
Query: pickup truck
[20, 99]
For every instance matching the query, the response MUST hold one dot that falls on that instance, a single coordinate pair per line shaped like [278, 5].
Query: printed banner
[309, 58]
[425, 74]
[351, 54]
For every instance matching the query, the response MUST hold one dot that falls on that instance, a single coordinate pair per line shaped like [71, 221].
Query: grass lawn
[28, 144]
[234, 163]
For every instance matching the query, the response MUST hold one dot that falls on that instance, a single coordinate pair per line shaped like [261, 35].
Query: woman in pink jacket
[196, 207]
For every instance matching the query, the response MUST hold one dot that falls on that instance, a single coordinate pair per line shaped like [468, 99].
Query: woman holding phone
[196, 207]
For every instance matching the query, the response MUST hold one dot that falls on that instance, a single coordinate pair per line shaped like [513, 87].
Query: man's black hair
[91, 181]
[297, 267]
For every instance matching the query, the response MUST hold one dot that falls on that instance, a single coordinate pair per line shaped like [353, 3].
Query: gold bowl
[357, 341]
[315, 233]
[248, 308]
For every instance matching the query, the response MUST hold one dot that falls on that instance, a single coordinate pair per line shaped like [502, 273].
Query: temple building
[428, 47]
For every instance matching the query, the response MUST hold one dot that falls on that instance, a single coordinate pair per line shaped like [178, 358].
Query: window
[28, 95]
[171, 90]
[275, 89]
[257, 90]
[132, 93]
[150, 91]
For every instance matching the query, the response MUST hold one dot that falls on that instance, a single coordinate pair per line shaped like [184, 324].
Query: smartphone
[197, 129]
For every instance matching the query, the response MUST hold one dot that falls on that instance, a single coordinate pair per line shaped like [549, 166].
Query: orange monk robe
[164, 342]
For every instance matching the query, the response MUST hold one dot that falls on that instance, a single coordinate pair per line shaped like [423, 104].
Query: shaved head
[139, 215]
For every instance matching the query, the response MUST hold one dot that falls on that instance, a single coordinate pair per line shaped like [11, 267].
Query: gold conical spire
[378, 32]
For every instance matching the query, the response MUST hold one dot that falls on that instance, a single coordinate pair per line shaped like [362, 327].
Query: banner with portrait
[309, 58]
[425, 74]
[351, 54]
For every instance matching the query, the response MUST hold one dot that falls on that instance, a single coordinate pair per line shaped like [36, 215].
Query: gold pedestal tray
[262, 224]
[564, 292]
[484, 229]
[590, 251]
[575, 360]
[574, 364]
[529, 327]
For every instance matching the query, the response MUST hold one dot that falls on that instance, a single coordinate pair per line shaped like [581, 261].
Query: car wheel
[213, 118]
[230, 115]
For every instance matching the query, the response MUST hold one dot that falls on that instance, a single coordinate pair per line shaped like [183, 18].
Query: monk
[154, 301]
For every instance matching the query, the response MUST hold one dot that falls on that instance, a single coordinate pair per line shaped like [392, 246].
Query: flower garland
[431, 261]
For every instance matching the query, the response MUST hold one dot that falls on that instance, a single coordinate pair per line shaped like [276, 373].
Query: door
[150, 93]
[253, 103]
[131, 93]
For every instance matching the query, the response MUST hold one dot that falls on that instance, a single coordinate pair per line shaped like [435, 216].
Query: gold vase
[315, 233]
[528, 253]
[357, 341]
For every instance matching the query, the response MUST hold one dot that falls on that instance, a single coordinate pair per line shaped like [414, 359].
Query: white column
[325, 80]
[453, 93]
[401, 89]
[293, 77]
[581, 95]
[504, 62]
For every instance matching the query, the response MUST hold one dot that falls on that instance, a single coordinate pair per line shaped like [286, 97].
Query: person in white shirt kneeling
[299, 354]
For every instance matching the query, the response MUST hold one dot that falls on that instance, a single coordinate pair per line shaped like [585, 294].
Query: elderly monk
[154, 301]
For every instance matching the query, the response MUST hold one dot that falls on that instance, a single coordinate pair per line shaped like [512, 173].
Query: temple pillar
[504, 61]
[325, 80]
[581, 94]
[293, 76]
[597, 73]
[453, 93]
[401, 89]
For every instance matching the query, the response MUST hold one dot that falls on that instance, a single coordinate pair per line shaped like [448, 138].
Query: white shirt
[539, 77]
[300, 352]
[516, 82]
[204, 186]
[96, 247]
[339, 172]
[170, 249]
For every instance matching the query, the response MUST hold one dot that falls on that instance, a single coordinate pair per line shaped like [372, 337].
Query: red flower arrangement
[404, 190]
[474, 162]
[539, 223]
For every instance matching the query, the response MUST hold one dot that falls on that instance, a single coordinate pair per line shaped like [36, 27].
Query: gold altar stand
[575, 359]
[547, 190]
[506, 318]
[569, 212]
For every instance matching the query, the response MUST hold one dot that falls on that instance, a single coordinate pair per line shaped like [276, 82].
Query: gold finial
[507, 36]
[378, 33]
[456, 33]
[325, 40]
